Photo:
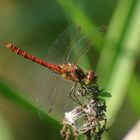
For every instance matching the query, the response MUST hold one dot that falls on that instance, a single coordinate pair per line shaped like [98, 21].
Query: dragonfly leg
[72, 92]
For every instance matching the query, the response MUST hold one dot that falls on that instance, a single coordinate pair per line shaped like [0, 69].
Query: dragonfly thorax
[75, 73]
[72, 72]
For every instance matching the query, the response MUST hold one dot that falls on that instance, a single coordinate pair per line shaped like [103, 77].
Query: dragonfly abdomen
[18, 51]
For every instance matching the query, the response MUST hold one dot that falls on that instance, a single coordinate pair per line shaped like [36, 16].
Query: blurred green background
[24, 86]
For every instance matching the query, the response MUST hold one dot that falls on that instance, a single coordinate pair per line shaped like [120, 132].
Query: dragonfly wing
[84, 49]
[59, 50]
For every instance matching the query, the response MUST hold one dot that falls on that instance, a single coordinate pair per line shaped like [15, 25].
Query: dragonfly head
[91, 77]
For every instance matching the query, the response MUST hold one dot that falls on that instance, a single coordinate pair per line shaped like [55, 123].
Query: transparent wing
[73, 46]
[46, 90]
[59, 50]
[84, 48]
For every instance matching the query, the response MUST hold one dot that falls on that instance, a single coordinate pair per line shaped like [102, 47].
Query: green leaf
[106, 94]
[120, 66]
[134, 93]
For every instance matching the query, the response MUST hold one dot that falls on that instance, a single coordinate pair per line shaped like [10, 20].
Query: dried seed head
[86, 119]
[89, 118]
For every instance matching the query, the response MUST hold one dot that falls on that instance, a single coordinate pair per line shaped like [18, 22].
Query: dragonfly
[69, 71]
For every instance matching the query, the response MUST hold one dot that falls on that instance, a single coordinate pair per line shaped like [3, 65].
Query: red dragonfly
[69, 71]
